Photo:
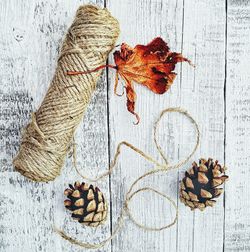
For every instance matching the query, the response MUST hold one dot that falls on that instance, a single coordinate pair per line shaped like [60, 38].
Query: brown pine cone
[87, 204]
[199, 186]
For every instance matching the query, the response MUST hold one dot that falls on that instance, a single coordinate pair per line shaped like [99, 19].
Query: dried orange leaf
[151, 65]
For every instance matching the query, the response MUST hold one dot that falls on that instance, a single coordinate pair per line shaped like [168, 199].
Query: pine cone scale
[87, 204]
[199, 186]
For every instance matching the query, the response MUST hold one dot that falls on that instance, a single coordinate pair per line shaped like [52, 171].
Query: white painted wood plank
[202, 93]
[140, 22]
[31, 34]
[237, 221]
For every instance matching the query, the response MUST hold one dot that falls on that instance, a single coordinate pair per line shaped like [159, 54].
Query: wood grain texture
[237, 203]
[202, 93]
[31, 34]
[215, 36]
[140, 22]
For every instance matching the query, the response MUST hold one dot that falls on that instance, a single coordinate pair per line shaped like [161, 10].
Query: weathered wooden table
[215, 35]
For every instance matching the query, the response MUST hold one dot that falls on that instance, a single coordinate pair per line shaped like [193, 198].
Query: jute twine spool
[46, 139]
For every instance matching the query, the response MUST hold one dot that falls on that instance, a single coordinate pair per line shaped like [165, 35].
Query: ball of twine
[46, 139]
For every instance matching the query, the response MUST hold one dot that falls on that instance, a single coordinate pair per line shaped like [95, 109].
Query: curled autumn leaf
[151, 65]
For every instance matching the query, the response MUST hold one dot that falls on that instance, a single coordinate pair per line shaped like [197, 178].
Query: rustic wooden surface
[215, 35]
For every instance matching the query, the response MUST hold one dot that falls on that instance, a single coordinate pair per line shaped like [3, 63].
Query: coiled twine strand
[46, 139]
[131, 193]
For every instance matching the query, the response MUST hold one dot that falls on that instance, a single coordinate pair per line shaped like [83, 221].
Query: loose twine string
[46, 139]
[129, 195]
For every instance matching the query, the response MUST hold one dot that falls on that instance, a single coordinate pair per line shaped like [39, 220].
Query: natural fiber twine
[46, 139]
[165, 167]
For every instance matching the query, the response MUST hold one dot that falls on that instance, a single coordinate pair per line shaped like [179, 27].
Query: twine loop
[148, 228]
[126, 211]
